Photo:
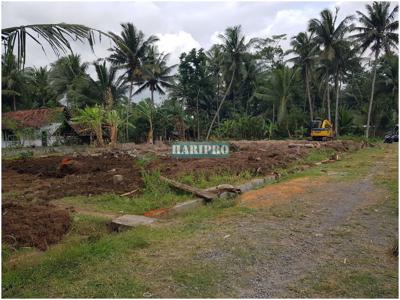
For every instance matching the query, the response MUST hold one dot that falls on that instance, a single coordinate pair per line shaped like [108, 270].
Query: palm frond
[57, 36]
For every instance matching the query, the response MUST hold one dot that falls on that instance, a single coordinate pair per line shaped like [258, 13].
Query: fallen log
[190, 189]
[301, 145]
[219, 189]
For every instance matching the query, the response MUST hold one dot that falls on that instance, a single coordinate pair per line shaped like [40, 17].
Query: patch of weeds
[145, 160]
[153, 184]
[203, 180]
[6, 251]
[155, 194]
[25, 154]
[318, 155]
[198, 280]
[89, 227]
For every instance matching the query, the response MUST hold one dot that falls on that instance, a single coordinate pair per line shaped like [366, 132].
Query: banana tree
[93, 118]
[148, 111]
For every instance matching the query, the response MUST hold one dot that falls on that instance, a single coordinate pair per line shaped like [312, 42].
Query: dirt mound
[36, 225]
[55, 166]
[256, 157]
[52, 178]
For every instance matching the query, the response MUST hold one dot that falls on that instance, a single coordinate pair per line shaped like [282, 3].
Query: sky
[180, 26]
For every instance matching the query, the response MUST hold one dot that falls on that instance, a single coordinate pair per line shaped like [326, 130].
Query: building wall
[35, 140]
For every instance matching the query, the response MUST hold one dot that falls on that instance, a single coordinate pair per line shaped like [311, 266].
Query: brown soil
[256, 157]
[278, 194]
[50, 178]
[36, 225]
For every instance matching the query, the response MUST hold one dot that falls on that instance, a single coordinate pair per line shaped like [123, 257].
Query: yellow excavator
[322, 130]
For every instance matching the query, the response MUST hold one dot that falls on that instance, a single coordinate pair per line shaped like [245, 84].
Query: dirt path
[333, 204]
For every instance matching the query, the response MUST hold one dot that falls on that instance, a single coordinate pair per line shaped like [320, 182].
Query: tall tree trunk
[220, 105]
[273, 113]
[14, 103]
[371, 100]
[338, 85]
[309, 96]
[217, 96]
[109, 99]
[152, 95]
[150, 133]
[328, 98]
[113, 135]
[99, 135]
[197, 115]
[127, 112]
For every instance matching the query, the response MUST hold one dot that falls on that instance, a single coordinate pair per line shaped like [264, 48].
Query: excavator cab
[322, 130]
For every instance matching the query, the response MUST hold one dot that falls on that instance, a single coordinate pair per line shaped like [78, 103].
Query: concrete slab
[131, 221]
[252, 184]
[186, 206]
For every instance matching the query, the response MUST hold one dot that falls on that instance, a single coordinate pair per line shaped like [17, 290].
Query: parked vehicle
[322, 130]
[392, 136]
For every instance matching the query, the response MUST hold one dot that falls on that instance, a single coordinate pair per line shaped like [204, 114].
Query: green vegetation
[237, 89]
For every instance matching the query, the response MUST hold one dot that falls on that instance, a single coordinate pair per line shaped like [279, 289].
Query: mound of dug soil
[35, 225]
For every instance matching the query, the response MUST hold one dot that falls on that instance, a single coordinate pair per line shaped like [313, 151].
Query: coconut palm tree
[234, 49]
[57, 36]
[214, 56]
[68, 77]
[346, 60]
[329, 35]
[378, 31]
[279, 87]
[305, 48]
[129, 52]
[12, 78]
[156, 74]
[110, 86]
[39, 87]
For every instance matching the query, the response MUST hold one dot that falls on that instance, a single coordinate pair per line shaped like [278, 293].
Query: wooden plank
[187, 188]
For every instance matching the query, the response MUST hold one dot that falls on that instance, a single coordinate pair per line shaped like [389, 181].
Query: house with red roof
[40, 128]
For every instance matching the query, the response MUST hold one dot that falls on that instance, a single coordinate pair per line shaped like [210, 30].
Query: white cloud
[176, 43]
[214, 39]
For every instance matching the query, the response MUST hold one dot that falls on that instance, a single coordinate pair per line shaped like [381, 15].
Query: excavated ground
[31, 180]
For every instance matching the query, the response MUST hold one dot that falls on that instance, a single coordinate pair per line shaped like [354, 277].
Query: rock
[118, 179]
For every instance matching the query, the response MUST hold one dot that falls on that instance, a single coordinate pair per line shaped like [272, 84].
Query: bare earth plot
[325, 232]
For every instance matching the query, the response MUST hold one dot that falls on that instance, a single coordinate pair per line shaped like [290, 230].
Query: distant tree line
[344, 70]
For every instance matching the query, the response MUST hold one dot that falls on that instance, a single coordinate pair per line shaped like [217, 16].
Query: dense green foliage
[239, 89]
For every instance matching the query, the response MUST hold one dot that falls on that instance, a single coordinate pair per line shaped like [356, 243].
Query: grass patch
[107, 265]
[155, 194]
[203, 181]
[340, 281]
[198, 280]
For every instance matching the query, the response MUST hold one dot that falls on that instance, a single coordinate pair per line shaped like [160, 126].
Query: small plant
[145, 160]
[25, 154]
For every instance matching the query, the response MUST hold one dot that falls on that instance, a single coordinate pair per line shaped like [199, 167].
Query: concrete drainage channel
[130, 221]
